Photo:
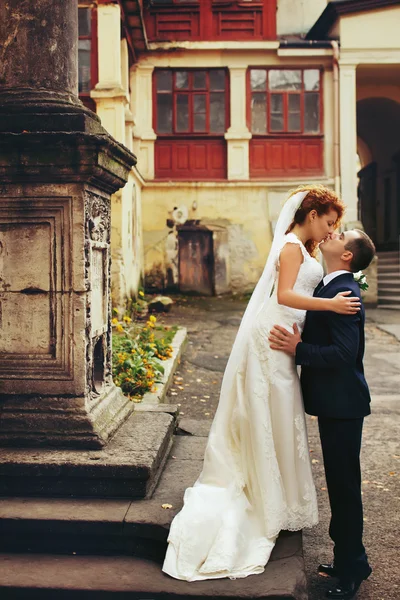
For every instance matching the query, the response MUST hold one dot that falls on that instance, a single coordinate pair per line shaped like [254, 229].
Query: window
[286, 101]
[87, 54]
[190, 102]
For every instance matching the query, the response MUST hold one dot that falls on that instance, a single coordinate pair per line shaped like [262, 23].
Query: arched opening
[378, 129]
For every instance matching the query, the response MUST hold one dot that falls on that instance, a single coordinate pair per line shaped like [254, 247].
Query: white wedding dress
[256, 478]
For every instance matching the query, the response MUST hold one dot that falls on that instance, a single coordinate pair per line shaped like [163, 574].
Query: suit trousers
[341, 444]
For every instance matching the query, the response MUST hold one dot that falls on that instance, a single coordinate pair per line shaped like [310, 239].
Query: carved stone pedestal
[58, 169]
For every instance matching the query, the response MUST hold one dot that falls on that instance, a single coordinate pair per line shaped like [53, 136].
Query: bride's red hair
[320, 199]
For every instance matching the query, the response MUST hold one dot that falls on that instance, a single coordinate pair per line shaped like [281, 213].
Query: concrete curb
[178, 345]
[393, 330]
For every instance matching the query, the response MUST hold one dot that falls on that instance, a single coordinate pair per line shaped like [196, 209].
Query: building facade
[231, 104]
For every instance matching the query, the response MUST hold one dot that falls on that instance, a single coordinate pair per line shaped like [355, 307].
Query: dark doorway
[378, 125]
[196, 260]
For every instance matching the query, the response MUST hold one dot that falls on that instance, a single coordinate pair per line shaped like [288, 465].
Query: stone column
[58, 169]
[144, 135]
[238, 134]
[348, 140]
[33, 29]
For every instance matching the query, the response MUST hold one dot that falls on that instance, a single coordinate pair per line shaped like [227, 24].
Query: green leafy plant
[138, 353]
[137, 308]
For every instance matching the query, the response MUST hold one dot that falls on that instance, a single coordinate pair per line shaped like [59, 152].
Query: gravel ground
[212, 324]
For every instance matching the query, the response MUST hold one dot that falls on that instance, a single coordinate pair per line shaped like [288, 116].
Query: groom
[334, 389]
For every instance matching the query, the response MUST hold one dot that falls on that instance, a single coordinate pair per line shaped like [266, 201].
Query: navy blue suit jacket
[331, 356]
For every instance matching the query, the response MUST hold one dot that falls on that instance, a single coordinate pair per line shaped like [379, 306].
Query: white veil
[218, 457]
[263, 289]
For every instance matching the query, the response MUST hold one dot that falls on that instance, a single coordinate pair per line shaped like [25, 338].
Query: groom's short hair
[363, 250]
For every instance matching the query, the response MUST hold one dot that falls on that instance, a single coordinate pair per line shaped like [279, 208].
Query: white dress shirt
[332, 275]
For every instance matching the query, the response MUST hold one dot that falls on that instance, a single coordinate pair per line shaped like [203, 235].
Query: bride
[256, 478]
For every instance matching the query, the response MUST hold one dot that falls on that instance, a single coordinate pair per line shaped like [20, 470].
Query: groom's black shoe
[328, 570]
[346, 588]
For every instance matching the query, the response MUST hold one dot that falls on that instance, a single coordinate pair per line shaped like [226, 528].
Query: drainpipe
[336, 142]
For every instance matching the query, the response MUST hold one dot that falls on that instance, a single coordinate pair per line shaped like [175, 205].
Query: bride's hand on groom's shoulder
[283, 340]
[343, 305]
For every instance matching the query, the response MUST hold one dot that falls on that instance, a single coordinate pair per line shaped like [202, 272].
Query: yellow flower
[120, 329]
[141, 293]
[114, 321]
[152, 318]
[127, 319]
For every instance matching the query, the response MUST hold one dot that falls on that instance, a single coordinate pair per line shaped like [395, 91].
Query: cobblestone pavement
[212, 324]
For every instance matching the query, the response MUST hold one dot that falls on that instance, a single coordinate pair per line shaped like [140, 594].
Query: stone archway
[378, 129]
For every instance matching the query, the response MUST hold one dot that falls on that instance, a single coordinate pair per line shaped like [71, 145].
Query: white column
[109, 36]
[238, 134]
[109, 93]
[348, 140]
[142, 110]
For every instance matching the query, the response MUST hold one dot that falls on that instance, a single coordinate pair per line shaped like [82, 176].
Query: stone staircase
[109, 548]
[389, 280]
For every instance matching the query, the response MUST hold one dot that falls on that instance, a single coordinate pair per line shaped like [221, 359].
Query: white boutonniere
[361, 280]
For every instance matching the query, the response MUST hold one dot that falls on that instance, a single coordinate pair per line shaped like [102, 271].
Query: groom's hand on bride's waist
[281, 339]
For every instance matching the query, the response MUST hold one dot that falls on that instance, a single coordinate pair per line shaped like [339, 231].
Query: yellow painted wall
[371, 29]
[251, 210]
[245, 207]
[378, 91]
[126, 240]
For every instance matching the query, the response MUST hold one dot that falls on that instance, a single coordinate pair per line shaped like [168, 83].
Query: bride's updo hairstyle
[320, 199]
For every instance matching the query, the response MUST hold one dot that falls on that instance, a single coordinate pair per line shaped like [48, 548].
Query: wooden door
[196, 262]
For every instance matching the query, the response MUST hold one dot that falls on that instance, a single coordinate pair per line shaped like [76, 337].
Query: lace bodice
[310, 274]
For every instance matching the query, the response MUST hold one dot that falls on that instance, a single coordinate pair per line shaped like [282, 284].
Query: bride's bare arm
[290, 261]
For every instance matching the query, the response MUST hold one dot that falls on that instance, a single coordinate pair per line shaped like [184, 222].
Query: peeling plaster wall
[243, 208]
[126, 241]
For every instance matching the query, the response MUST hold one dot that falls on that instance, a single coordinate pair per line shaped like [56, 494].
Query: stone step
[388, 291]
[389, 294]
[389, 299]
[389, 268]
[128, 467]
[103, 526]
[385, 281]
[388, 254]
[389, 306]
[108, 548]
[385, 258]
[46, 577]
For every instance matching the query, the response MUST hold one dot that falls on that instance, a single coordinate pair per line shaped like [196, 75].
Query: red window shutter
[190, 159]
[285, 156]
